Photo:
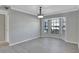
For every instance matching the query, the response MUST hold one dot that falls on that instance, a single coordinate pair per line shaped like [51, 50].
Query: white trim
[70, 42]
[63, 11]
[7, 28]
[12, 44]
[56, 12]
[6, 24]
[78, 46]
[20, 10]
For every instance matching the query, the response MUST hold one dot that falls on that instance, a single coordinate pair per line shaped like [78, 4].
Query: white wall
[71, 21]
[72, 27]
[22, 26]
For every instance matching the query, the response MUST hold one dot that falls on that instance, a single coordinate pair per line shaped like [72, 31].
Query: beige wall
[71, 21]
[78, 28]
[2, 27]
[22, 26]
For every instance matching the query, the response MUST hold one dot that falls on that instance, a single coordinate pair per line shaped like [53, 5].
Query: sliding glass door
[54, 26]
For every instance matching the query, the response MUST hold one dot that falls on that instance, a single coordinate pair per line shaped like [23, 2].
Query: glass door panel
[55, 26]
[46, 26]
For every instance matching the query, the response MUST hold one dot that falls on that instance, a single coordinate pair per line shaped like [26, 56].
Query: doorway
[2, 27]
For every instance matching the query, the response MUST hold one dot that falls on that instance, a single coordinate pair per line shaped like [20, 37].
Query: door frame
[4, 12]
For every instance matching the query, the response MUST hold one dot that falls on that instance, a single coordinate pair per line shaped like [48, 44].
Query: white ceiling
[46, 9]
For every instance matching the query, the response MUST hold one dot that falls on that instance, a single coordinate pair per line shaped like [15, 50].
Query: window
[55, 24]
[63, 24]
[46, 26]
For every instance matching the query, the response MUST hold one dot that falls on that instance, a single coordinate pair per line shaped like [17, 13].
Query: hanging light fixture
[40, 15]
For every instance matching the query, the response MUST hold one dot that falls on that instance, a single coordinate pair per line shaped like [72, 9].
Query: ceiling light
[40, 11]
[40, 16]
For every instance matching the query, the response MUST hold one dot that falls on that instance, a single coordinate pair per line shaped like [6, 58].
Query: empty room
[39, 28]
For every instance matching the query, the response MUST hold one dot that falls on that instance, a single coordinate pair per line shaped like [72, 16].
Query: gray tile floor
[42, 45]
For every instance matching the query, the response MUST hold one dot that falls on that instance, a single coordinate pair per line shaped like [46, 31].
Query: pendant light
[40, 13]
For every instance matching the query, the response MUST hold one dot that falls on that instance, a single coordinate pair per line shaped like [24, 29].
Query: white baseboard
[38, 37]
[78, 46]
[24, 41]
[70, 42]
